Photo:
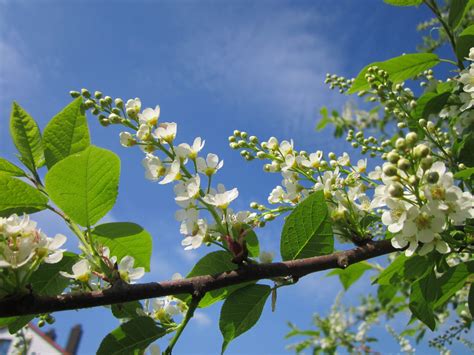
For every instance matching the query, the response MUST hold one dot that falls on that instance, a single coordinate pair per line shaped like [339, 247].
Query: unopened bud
[390, 169]
[97, 95]
[403, 164]
[421, 151]
[411, 138]
[427, 162]
[432, 177]
[393, 157]
[85, 93]
[395, 189]
[119, 103]
[74, 94]
[400, 143]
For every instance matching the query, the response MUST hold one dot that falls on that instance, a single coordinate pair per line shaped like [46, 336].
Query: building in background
[39, 342]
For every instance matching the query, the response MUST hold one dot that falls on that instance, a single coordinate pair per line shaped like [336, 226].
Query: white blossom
[210, 165]
[149, 116]
[166, 132]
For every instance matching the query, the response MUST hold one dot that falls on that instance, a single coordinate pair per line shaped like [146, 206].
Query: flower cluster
[167, 162]
[88, 272]
[344, 184]
[23, 247]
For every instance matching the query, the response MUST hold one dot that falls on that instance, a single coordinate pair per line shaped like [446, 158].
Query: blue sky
[213, 67]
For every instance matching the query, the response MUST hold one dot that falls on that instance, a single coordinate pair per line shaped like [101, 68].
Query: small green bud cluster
[366, 144]
[339, 82]
[108, 110]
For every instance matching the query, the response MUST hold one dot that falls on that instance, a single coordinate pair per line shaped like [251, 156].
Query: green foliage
[391, 272]
[241, 311]
[464, 174]
[399, 69]
[430, 103]
[350, 274]
[456, 12]
[465, 41]
[253, 245]
[422, 297]
[452, 281]
[471, 300]
[307, 231]
[85, 185]
[464, 150]
[403, 2]
[124, 238]
[212, 264]
[45, 281]
[132, 337]
[26, 137]
[66, 133]
[11, 169]
[17, 196]
[126, 310]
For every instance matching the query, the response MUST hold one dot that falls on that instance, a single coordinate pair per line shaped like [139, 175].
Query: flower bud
[395, 189]
[231, 139]
[74, 94]
[254, 205]
[261, 155]
[413, 180]
[427, 162]
[253, 139]
[244, 135]
[332, 156]
[131, 112]
[422, 122]
[432, 177]
[97, 95]
[108, 100]
[88, 104]
[403, 164]
[269, 217]
[411, 138]
[421, 151]
[393, 157]
[104, 122]
[400, 143]
[401, 125]
[85, 93]
[114, 118]
[119, 103]
[430, 126]
[237, 133]
[390, 170]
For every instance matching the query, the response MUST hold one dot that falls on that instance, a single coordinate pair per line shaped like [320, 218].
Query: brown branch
[34, 304]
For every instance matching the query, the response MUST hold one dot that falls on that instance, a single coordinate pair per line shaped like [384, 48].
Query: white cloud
[202, 319]
[19, 74]
[276, 61]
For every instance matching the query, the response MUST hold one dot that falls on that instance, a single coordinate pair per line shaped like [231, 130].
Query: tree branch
[34, 304]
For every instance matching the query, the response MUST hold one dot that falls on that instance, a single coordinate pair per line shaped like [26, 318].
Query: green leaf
[46, 281]
[124, 238]
[399, 69]
[66, 133]
[126, 310]
[252, 244]
[350, 274]
[465, 42]
[452, 281]
[385, 294]
[211, 264]
[403, 2]
[421, 307]
[456, 12]
[11, 169]
[417, 266]
[241, 311]
[26, 137]
[307, 230]
[132, 337]
[324, 120]
[470, 300]
[392, 271]
[464, 174]
[465, 149]
[18, 197]
[85, 185]
[430, 103]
